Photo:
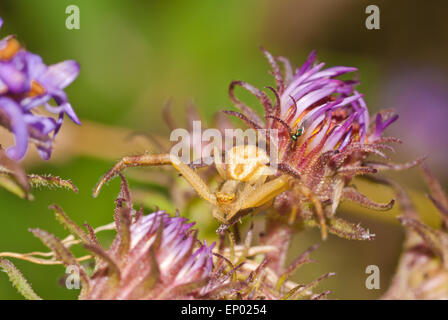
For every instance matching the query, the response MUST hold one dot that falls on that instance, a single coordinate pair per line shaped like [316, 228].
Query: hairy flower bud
[161, 261]
[422, 272]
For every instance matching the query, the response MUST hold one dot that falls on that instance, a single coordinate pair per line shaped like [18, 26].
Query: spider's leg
[194, 179]
[319, 209]
[132, 161]
[265, 192]
[218, 216]
[293, 215]
[220, 167]
[257, 210]
[260, 195]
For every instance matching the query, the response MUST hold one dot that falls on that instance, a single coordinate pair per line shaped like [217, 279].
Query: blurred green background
[135, 55]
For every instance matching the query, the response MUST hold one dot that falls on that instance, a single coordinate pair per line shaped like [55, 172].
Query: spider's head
[225, 197]
[246, 163]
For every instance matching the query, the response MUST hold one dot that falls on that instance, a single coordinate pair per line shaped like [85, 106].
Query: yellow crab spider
[248, 182]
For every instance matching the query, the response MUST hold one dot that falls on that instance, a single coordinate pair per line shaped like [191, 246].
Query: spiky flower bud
[155, 257]
[422, 272]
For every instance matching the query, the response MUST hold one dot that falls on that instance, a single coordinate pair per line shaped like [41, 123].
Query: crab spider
[248, 182]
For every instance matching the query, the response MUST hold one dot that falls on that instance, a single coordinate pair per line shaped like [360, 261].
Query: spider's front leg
[132, 161]
[266, 192]
[317, 206]
[218, 215]
[259, 195]
[194, 179]
[227, 223]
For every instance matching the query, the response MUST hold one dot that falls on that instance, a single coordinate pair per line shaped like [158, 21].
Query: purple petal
[30, 103]
[339, 133]
[380, 126]
[332, 72]
[14, 79]
[308, 63]
[346, 139]
[44, 125]
[35, 65]
[3, 87]
[338, 103]
[44, 153]
[363, 116]
[305, 88]
[314, 97]
[62, 74]
[300, 78]
[67, 108]
[18, 127]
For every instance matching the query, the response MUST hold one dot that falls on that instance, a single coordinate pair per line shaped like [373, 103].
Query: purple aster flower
[154, 256]
[176, 257]
[315, 112]
[26, 83]
[162, 250]
[325, 136]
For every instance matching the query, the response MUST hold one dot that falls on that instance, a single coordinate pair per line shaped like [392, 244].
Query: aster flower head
[325, 137]
[163, 252]
[154, 256]
[314, 111]
[26, 83]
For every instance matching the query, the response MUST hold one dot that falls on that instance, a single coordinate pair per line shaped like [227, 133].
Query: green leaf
[49, 181]
[71, 226]
[342, 228]
[351, 194]
[18, 280]
[61, 252]
[9, 183]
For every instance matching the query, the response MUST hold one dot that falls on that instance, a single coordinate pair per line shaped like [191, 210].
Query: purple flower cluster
[26, 83]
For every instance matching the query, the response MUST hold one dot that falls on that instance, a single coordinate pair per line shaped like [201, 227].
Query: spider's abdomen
[246, 163]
